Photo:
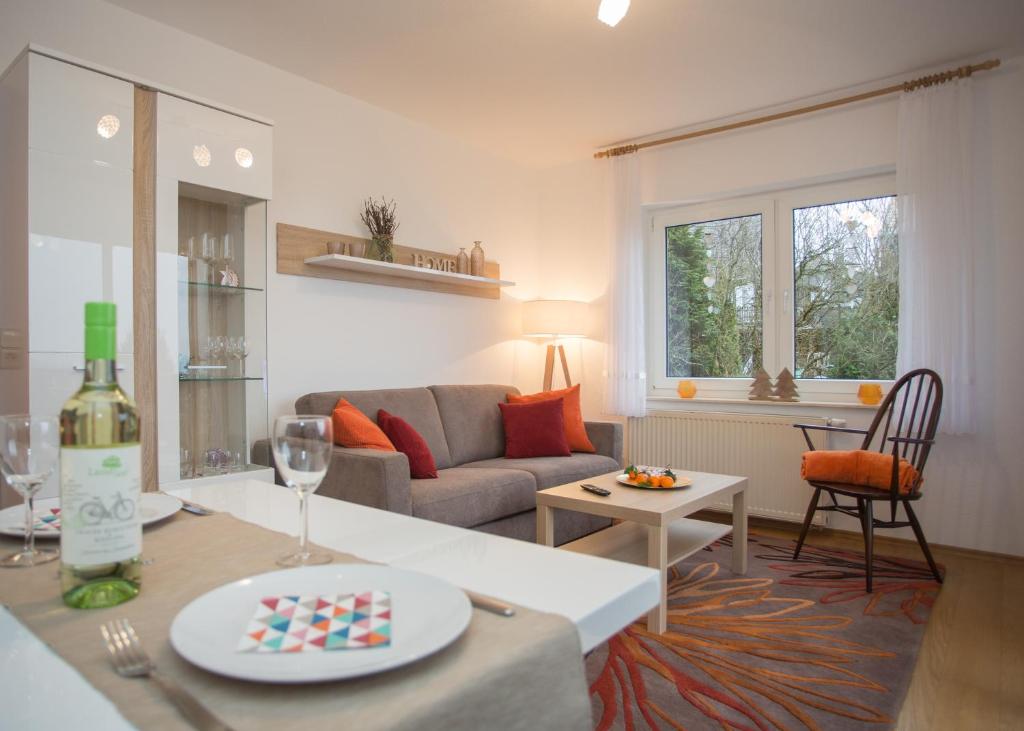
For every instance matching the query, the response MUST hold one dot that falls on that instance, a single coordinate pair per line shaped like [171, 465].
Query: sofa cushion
[575, 428]
[472, 421]
[469, 497]
[415, 405]
[353, 428]
[408, 441]
[551, 471]
[534, 430]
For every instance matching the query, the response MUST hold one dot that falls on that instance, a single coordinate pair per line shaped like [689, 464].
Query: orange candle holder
[686, 389]
[869, 394]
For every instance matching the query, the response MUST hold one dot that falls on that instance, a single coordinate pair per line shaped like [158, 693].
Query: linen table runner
[524, 672]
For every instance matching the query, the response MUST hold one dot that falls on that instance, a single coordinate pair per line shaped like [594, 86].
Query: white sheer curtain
[625, 392]
[937, 301]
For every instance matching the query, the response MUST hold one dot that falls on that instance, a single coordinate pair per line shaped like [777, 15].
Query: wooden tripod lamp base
[549, 366]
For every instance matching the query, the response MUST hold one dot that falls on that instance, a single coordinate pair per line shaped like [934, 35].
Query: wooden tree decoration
[785, 387]
[761, 388]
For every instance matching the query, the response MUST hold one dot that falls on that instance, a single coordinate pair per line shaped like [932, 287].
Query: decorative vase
[384, 248]
[462, 262]
[335, 247]
[476, 260]
[357, 249]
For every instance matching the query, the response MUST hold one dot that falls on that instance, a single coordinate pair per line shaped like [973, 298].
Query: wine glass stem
[303, 523]
[30, 524]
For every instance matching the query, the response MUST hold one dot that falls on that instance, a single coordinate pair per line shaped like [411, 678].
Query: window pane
[845, 269]
[713, 286]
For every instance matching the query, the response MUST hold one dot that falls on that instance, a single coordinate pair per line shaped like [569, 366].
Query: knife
[488, 604]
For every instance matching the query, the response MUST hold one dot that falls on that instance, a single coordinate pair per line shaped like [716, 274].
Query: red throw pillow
[409, 442]
[575, 429]
[535, 430]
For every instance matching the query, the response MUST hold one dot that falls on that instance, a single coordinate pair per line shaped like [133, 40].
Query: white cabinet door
[80, 248]
[196, 144]
[53, 378]
[79, 202]
[66, 106]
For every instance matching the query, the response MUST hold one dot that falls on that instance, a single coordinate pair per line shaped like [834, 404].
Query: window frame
[777, 285]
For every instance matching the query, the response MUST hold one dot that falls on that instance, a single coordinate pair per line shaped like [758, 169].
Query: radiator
[765, 449]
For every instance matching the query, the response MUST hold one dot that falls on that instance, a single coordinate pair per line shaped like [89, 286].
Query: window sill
[665, 401]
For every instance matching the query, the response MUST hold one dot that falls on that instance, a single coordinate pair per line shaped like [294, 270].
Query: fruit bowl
[652, 478]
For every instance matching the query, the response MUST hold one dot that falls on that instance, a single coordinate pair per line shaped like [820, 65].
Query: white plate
[681, 481]
[427, 614]
[153, 507]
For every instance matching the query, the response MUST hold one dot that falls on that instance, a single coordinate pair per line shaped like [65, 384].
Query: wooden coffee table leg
[657, 558]
[739, 532]
[545, 525]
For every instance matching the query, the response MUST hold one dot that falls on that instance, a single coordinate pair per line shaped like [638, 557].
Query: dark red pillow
[409, 442]
[534, 430]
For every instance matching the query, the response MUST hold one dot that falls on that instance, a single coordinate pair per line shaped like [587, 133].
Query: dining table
[523, 671]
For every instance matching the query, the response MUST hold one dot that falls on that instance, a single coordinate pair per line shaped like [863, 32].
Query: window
[731, 291]
[713, 298]
[846, 289]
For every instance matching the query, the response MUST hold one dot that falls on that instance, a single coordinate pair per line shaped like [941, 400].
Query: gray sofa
[476, 486]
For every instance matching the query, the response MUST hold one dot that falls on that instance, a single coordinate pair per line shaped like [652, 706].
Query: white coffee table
[655, 531]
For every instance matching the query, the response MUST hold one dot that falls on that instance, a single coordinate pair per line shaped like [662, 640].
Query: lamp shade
[555, 318]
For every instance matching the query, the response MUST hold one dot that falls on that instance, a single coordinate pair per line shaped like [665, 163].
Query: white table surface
[599, 596]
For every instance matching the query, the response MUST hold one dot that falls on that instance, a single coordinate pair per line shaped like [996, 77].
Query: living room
[565, 190]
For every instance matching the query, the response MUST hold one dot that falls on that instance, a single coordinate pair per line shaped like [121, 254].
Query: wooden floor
[970, 673]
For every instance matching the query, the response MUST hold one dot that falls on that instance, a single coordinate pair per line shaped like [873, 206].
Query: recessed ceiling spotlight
[108, 126]
[610, 12]
[243, 157]
[201, 154]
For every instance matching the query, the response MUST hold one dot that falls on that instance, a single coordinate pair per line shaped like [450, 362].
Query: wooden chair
[912, 436]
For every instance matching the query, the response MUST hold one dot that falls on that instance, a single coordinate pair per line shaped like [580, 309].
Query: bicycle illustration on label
[94, 512]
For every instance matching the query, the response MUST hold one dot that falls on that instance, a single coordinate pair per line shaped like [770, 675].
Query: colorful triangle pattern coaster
[312, 623]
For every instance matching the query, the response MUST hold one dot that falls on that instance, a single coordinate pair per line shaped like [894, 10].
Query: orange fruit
[667, 481]
[642, 478]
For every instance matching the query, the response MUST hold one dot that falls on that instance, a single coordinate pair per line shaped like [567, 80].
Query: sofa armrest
[365, 476]
[369, 477]
[606, 436]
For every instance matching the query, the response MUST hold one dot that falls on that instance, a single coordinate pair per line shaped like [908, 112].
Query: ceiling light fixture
[610, 12]
[108, 126]
[243, 157]
[201, 154]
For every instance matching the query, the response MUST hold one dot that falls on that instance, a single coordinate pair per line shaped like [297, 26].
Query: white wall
[331, 151]
[975, 486]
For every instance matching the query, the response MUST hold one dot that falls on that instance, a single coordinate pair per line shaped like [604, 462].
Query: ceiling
[543, 82]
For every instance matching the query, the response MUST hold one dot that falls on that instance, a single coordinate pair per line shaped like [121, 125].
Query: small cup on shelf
[337, 247]
[869, 394]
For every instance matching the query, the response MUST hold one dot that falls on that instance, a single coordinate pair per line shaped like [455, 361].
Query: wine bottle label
[99, 509]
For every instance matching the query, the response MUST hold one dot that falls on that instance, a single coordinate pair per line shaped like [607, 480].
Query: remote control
[597, 490]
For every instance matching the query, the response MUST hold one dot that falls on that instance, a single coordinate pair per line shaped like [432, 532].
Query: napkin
[314, 623]
[48, 521]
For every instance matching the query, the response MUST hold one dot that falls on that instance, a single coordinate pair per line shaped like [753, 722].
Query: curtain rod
[932, 79]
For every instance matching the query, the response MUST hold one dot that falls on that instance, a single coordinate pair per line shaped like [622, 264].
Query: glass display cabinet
[222, 329]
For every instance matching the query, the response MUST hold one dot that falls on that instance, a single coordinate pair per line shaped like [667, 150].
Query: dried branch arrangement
[379, 217]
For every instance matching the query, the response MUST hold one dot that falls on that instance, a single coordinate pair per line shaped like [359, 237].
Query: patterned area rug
[791, 645]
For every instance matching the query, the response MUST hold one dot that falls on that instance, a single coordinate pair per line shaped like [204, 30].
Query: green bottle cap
[100, 331]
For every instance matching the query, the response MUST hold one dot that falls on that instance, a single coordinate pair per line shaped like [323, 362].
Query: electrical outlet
[10, 359]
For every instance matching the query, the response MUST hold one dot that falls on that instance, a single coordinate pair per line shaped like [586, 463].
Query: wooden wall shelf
[303, 251]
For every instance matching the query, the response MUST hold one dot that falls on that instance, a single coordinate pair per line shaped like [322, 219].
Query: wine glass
[29, 448]
[302, 450]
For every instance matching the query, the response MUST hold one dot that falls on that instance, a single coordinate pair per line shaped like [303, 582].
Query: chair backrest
[911, 409]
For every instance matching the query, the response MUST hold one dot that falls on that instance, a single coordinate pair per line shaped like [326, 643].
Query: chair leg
[921, 541]
[867, 523]
[811, 509]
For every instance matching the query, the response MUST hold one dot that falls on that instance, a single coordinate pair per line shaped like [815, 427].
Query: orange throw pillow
[857, 467]
[575, 430]
[353, 428]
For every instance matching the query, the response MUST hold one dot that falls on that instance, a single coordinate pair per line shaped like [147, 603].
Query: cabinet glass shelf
[222, 288]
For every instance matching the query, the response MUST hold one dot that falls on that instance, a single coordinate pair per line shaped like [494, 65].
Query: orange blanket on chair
[857, 467]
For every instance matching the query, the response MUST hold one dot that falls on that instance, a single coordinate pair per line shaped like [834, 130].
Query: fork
[131, 661]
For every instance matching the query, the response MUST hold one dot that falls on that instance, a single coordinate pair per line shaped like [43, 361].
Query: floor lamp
[555, 320]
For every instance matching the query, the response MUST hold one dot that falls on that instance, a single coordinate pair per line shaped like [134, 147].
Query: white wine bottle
[100, 477]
